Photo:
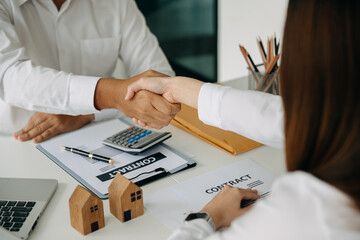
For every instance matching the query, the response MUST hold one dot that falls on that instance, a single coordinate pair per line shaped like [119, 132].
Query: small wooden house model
[86, 211]
[125, 199]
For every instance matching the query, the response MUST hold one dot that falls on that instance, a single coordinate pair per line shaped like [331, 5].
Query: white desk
[24, 160]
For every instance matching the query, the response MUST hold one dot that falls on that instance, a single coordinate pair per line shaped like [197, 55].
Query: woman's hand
[43, 126]
[158, 85]
[225, 206]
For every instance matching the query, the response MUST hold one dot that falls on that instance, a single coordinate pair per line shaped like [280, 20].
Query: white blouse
[255, 115]
[300, 205]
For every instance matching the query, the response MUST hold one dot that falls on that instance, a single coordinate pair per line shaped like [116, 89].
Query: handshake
[151, 99]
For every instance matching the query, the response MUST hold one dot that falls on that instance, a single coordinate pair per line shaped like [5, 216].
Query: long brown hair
[320, 85]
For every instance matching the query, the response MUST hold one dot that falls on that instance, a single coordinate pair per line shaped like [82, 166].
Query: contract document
[96, 175]
[172, 205]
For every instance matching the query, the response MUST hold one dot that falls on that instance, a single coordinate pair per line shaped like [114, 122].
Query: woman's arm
[255, 115]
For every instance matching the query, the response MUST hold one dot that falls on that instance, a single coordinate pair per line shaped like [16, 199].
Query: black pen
[89, 155]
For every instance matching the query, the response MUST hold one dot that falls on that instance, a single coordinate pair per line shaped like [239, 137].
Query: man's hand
[153, 110]
[43, 126]
[225, 206]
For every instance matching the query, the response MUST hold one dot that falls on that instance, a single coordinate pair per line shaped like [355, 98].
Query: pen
[90, 155]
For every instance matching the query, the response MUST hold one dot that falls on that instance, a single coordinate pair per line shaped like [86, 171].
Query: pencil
[262, 50]
[251, 65]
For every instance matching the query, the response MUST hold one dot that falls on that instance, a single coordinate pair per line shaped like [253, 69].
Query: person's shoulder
[306, 191]
[300, 183]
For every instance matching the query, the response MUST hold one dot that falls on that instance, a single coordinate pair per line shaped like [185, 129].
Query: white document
[172, 205]
[97, 175]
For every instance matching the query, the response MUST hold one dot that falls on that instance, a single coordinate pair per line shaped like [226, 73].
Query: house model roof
[81, 196]
[120, 184]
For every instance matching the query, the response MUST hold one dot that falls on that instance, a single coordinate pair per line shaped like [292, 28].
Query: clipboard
[97, 176]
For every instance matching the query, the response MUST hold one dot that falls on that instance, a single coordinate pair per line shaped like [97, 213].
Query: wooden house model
[86, 211]
[125, 199]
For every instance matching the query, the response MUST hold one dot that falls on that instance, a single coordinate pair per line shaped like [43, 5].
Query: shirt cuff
[81, 93]
[209, 102]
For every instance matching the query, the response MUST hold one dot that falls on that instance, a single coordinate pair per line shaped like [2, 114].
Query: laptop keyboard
[14, 213]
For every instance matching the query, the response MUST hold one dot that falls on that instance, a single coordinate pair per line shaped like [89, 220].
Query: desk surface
[23, 160]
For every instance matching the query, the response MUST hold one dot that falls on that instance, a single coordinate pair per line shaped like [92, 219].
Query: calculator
[135, 139]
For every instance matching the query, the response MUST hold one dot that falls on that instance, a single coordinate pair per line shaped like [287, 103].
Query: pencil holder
[268, 83]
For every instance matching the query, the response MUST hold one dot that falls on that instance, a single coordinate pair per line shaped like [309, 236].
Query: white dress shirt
[255, 115]
[50, 60]
[300, 207]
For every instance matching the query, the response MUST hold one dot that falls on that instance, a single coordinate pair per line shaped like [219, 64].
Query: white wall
[240, 22]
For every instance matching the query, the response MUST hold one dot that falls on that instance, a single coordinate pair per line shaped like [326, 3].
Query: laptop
[22, 201]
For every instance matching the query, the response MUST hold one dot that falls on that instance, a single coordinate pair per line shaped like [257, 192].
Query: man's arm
[156, 111]
[36, 88]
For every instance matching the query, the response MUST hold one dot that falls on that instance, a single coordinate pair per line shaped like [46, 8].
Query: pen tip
[111, 161]
[62, 147]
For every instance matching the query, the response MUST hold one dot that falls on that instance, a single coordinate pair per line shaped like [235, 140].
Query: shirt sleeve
[139, 48]
[26, 85]
[255, 115]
